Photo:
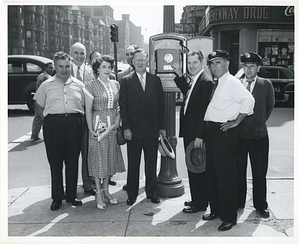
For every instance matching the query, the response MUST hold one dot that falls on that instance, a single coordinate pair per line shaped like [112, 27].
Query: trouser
[63, 139]
[134, 151]
[88, 181]
[197, 184]
[37, 121]
[221, 171]
[258, 150]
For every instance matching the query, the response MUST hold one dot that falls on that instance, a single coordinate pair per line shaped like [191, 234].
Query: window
[33, 68]
[13, 33]
[282, 75]
[28, 35]
[15, 67]
[271, 73]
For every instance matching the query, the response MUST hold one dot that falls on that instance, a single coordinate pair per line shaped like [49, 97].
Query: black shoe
[192, 209]
[210, 216]
[92, 192]
[130, 201]
[112, 183]
[55, 205]
[188, 203]
[226, 225]
[154, 199]
[264, 213]
[125, 188]
[75, 201]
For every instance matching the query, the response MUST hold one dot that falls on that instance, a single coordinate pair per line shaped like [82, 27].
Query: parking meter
[163, 50]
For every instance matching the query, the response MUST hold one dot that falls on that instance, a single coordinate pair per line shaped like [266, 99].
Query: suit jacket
[88, 74]
[142, 112]
[254, 126]
[123, 73]
[192, 123]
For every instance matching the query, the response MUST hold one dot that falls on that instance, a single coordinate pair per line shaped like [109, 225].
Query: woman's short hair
[98, 62]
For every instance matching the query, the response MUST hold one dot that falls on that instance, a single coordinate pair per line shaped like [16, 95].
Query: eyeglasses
[130, 54]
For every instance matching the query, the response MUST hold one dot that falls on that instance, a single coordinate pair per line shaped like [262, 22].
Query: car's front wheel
[30, 101]
[291, 101]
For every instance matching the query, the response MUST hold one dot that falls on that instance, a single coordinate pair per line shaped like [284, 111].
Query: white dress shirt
[230, 99]
[75, 68]
[252, 83]
[191, 89]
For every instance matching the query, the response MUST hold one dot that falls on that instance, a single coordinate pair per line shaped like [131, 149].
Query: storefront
[268, 30]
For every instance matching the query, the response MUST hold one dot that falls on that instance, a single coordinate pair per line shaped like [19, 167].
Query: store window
[276, 47]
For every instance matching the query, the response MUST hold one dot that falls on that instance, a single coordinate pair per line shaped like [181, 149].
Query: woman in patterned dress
[103, 118]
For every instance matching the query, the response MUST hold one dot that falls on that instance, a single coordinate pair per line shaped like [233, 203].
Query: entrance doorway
[230, 42]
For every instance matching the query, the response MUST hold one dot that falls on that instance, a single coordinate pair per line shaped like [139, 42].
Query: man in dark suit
[254, 140]
[192, 126]
[142, 113]
[129, 55]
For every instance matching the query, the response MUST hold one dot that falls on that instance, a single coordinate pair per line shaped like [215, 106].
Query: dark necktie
[189, 89]
[214, 89]
[249, 84]
[78, 74]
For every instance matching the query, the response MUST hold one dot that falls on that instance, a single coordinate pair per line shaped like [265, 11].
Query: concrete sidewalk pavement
[29, 215]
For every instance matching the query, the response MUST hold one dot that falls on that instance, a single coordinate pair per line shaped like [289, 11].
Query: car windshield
[33, 68]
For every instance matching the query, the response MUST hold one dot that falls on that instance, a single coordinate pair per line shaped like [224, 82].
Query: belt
[212, 123]
[65, 115]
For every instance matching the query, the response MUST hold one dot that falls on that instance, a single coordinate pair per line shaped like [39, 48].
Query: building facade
[44, 30]
[267, 30]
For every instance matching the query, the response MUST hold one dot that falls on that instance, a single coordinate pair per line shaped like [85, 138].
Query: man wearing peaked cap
[218, 54]
[229, 105]
[251, 57]
[254, 140]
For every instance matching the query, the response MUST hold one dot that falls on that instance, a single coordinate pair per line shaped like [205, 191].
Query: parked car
[282, 79]
[22, 73]
[122, 66]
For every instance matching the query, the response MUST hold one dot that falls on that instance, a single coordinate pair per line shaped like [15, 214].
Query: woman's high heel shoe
[110, 198]
[99, 201]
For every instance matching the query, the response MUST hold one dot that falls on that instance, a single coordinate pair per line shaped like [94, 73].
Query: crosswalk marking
[18, 141]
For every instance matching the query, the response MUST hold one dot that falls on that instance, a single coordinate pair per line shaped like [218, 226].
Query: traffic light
[114, 35]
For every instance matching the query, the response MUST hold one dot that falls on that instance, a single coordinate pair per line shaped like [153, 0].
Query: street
[29, 193]
[24, 156]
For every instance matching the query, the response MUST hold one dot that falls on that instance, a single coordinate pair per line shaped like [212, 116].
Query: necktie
[189, 89]
[249, 84]
[142, 82]
[214, 89]
[78, 74]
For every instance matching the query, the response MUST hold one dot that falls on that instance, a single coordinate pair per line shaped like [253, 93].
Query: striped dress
[104, 157]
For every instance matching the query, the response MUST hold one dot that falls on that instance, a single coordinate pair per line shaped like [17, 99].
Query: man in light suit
[84, 73]
[192, 126]
[254, 140]
[142, 113]
[129, 55]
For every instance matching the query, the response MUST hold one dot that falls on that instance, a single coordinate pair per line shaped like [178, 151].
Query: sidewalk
[29, 214]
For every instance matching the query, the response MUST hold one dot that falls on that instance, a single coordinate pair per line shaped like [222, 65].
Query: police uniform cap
[217, 54]
[251, 57]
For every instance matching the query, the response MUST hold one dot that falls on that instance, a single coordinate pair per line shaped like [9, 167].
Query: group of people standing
[83, 106]
[227, 117]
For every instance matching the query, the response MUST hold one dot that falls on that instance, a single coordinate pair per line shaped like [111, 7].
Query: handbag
[120, 136]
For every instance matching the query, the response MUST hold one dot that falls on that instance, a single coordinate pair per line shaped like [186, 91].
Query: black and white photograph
[154, 122]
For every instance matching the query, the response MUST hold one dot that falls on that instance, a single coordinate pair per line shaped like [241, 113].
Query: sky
[150, 19]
